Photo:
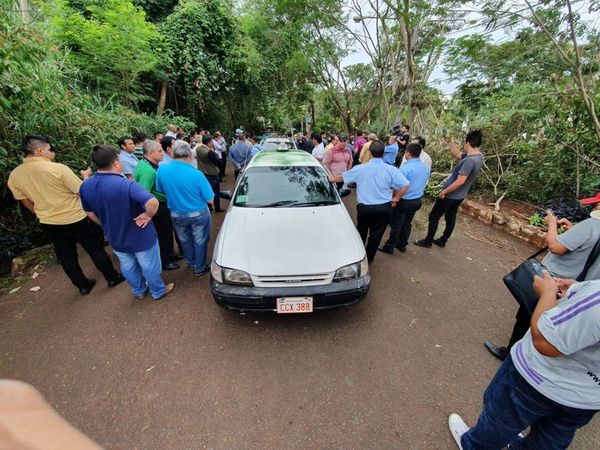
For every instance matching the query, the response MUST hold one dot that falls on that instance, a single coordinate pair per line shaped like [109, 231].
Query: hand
[85, 174]
[442, 195]
[550, 219]
[565, 223]
[142, 220]
[545, 284]
[394, 203]
[447, 139]
[563, 285]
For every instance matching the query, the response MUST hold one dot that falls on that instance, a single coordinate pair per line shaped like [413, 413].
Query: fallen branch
[497, 204]
[475, 238]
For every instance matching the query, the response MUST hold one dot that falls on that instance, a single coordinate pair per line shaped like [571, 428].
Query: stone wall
[504, 221]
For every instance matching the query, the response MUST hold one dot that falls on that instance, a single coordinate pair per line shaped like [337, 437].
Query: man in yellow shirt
[365, 153]
[51, 192]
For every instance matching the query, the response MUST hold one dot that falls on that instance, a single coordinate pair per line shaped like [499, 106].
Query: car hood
[288, 241]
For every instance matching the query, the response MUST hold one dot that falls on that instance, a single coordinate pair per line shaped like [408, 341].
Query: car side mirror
[345, 193]
[225, 194]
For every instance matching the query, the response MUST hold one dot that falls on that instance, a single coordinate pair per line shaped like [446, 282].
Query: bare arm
[547, 290]
[29, 205]
[552, 235]
[454, 148]
[93, 217]
[460, 180]
[335, 178]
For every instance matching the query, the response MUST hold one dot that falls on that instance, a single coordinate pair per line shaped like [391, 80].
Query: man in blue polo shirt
[188, 195]
[391, 151]
[417, 174]
[125, 210]
[375, 182]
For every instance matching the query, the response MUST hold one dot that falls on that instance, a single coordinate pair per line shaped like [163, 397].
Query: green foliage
[109, 41]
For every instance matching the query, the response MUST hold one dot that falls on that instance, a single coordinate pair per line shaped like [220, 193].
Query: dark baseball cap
[343, 137]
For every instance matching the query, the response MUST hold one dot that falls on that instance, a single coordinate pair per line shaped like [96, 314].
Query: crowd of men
[151, 195]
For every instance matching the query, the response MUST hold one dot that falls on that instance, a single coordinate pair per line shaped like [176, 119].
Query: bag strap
[590, 261]
[539, 252]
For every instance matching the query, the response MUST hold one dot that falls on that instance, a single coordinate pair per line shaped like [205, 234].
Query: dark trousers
[401, 223]
[371, 222]
[215, 184]
[443, 207]
[236, 173]
[522, 324]
[90, 236]
[511, 404]
[164, 230]
[223, 165]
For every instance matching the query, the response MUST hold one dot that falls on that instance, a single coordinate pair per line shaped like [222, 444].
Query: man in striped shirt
[551, 381]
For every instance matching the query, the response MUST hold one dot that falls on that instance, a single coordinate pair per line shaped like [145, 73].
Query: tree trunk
[162, 101]
[24, 7]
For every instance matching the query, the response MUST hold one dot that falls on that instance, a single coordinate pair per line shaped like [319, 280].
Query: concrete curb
[505, 222]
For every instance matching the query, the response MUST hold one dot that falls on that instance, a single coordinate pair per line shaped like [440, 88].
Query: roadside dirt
[183, 373]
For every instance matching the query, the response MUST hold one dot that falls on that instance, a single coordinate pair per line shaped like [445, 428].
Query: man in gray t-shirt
[551, 381]
[455, 188]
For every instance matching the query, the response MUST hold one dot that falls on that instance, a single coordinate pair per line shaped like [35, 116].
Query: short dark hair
[421, 140]
[414, 150]
[206, 139]
[167, 142]
[316, 136]
[140, 137]
[103, 156]
[181, 135]
[32, 142]
[122, 140]
[406, 126]
[156, 133]
[474, 138]
[376, 148]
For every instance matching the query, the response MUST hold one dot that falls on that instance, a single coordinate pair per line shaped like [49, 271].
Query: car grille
[313, 279]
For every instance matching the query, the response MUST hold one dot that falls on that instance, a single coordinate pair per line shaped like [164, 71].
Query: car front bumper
[251, 298]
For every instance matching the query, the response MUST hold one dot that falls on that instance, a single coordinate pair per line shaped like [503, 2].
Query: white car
[287, 243]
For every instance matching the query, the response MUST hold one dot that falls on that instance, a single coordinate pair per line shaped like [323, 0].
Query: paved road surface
[182, 373]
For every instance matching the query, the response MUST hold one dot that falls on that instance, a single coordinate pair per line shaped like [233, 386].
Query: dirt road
[183, 373]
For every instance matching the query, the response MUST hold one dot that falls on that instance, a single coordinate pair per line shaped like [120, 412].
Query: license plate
[291, 305]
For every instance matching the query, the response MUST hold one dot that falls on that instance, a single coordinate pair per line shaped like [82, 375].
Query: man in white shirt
[425, 158]
[171, 131]
[319, 149]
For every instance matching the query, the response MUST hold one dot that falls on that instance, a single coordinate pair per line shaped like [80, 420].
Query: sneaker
[458, 427]
[169, 288]
[423, 243]
[439, 242]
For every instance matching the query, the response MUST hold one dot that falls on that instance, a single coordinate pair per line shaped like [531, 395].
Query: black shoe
[176, 257]
[384, 249]
[88, 288]
[170, 266]
[202, 272]
[117, 281]
[439, 242]
[423, 243]
[401, 249]
[499, 352]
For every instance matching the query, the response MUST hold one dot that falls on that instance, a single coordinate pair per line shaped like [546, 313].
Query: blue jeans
[193, 229]
[510, 405]
[142, 271]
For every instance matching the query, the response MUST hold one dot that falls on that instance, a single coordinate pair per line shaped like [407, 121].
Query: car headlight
[216, 272]
[234, 276]
[352, 271]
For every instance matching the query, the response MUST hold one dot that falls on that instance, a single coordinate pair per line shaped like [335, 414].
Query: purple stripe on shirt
[537, 379]
[578, 311]
[576, 305]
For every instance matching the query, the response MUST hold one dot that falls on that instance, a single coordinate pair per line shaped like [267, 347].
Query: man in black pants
[51, 192]
[455, 188]
[379, 187]
[210, 164]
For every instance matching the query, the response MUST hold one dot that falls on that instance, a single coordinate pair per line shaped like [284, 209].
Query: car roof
[283, 158]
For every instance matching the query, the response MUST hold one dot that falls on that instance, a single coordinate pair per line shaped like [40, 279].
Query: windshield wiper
[321, 203]
[279, 203]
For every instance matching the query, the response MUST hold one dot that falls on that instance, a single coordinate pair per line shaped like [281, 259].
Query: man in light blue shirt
[256, 148]
[417, 174]
[391, 151]
[188, 195]
[127, 158]
[379, 187]
[240, 154]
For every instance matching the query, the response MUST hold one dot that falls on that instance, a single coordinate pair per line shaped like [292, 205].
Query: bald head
[372, 137]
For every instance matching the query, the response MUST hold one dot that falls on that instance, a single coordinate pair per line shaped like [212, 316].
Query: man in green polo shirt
[145, 174]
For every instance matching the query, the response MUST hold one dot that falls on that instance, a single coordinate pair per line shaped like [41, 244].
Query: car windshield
[274, 145]
[285, 187]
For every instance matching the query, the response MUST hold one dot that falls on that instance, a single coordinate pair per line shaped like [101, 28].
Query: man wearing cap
[379, 187]
[551, 380]
[51, 192]
[567, 257]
